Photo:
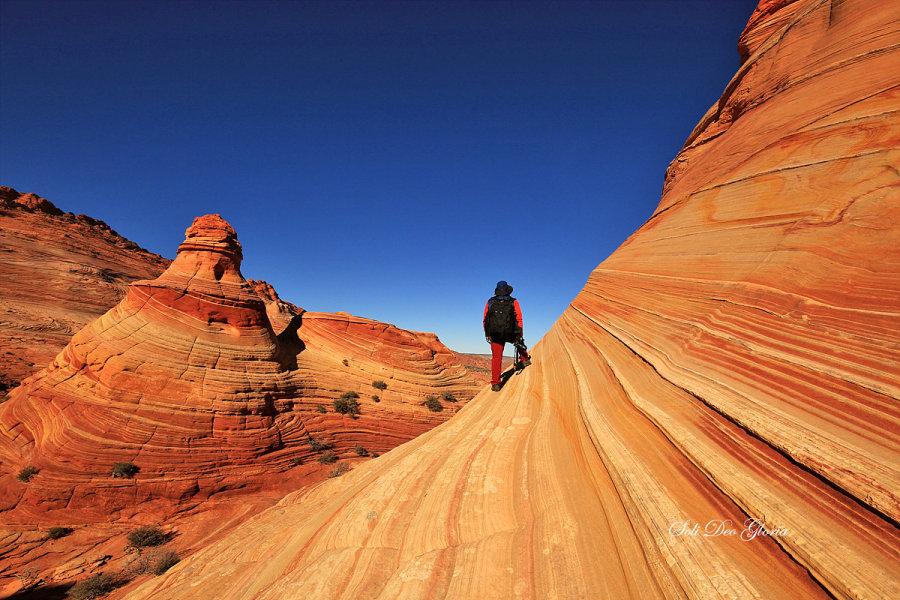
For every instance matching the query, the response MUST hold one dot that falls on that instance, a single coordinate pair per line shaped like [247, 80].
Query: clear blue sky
[392, 160]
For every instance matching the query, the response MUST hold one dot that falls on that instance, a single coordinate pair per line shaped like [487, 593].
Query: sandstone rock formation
[188, 379]
[58, 271]
[736, 358]
[216, 388]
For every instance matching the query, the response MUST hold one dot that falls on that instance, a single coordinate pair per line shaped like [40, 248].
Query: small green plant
[54, 533]
[149, 535]
[360, 451]
[433, 404]
[27, 473]
[339, 470]
[296, 461]
[328, 457]
[165, 561]
[376, 398]
[347, 404]
[95, 586]
[125, 469]
[379, 385]
[321, 408]
[449, 397]
[375, 455]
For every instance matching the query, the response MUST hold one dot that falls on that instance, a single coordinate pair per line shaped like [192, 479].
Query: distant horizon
[389, 160]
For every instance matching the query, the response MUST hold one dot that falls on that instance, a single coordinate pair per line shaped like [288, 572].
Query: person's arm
[519, 322]
[484, 321]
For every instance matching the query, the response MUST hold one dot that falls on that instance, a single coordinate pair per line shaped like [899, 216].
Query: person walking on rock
[503, 323]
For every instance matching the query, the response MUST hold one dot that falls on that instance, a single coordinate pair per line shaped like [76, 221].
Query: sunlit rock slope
[209, 383]
[58, 271]
[736, 358]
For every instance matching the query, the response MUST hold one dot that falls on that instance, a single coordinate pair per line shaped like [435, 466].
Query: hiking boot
[527, 362]
[495, 387]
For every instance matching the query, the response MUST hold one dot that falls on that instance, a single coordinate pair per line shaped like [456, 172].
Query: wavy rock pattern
[58, 271]
[188, 379]
[736, 358]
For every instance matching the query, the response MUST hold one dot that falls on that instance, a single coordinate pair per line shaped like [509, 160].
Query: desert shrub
[375, 455]
[296, 461]
[54, 533]
[136, 566]
[27, 473]
[433, 404]
[347, 404]
[318, 446]
[321, 408]
[149, 535]
[376, 398]
[165, 561]
[346, 362]
[95, 586]
[448, 397]
[156, 561]
[339, 470]
[125, 469]
[328, 457]
[360, 451]
[379, 385]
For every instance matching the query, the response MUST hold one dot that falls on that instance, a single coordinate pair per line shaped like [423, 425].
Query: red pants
[497, 360]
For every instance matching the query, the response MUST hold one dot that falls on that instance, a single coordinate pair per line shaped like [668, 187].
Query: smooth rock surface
[736, 358]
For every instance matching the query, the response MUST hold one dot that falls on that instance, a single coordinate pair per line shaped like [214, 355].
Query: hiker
[503, 323]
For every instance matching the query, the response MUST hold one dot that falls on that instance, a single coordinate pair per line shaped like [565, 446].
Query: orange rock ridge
[736, 358]
[213, 386]
[187, 378]
[58, 272]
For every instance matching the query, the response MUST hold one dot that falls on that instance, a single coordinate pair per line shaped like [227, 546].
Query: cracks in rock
[751, 285]
[748, 430]
[758, 348]
[790, 168]
[819, 579]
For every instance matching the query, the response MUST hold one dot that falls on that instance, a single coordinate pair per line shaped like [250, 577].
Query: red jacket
[516, 306]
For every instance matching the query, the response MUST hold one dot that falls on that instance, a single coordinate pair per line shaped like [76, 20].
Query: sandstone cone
[736, 358]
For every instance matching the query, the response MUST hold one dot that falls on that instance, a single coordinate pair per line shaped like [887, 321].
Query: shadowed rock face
[188, 379]
[736, 358]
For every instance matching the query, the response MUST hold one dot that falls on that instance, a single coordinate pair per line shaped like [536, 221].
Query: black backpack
[500, 323]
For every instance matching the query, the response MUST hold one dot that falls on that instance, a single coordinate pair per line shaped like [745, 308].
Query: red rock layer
[187, 378]
[58, 271]
[737, 358]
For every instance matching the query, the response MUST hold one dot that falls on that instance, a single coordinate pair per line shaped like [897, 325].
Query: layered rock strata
[187, 379]
[734, 364]
[58, 271]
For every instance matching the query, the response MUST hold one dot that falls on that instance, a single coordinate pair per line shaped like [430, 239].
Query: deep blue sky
[389, 160]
